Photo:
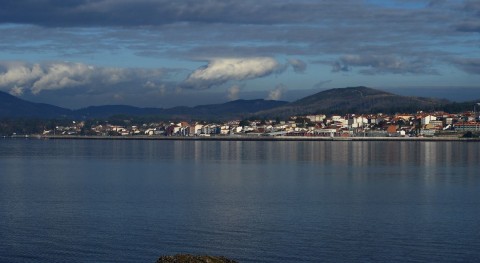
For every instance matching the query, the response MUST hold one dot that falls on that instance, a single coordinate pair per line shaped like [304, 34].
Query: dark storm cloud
[230, 28]
[469, 26]
[80, 13]
[472, 6]
[102, 13]
[469, 21]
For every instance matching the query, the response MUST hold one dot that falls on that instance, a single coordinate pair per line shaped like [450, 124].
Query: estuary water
[252, 201]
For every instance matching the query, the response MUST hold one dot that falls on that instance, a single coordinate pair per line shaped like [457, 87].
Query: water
[132, 201]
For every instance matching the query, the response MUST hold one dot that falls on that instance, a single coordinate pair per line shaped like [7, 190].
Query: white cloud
[160, 88]
[62, 75]
[233, 92]
[150, 84]
[221, 70]
[276, 93]
[17, 91]
[17, 77]
[14, 73]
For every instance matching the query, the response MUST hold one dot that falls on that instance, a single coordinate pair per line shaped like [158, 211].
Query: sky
[163, 53]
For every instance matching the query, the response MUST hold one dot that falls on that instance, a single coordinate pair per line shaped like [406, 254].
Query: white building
[316, 118]
[198, 129]
[426, 120]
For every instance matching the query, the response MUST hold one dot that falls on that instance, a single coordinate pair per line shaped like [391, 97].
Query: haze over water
[132, 201]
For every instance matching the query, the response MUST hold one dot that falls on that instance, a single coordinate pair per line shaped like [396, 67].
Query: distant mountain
[106, 111]
[11, 106]
[355, 100]
[232, 109]
[462, 106]
[333, 101]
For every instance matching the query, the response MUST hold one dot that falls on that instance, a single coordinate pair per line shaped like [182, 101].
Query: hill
[232, 109]
[354, 100]
[106, 111]
[333, 101]
[13, 107]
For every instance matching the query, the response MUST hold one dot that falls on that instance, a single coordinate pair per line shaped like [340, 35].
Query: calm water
[132, 201]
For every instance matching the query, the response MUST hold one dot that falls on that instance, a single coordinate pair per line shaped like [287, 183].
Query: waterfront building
[467, 126]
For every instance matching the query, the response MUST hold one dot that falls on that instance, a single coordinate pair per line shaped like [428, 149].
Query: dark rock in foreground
[185, 258]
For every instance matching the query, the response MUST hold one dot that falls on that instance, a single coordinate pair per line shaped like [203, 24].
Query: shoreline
[242, 138]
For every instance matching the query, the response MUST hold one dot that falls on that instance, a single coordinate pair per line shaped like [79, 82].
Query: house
[198, 129]
[467, 126]
[392, 131]
[357, 122]
[405, 117]
[437, 124]
[225, 130]
[426, 119]
[316, 118]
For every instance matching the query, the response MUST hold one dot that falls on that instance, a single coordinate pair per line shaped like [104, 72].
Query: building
[426, 119]
[467, 126]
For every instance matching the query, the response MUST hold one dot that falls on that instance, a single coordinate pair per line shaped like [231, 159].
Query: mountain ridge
[11, 106]
[14, 107]
[333, 101]
[355, 100]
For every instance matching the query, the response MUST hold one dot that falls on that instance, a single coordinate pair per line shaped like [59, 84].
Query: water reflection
[128, 201]
[357, 154]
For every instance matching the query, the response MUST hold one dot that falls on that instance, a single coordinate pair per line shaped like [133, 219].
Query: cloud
[408, 37]
[17, 91]
[63, 75]
[189, 29]
[161, 88]
[469, 65]
[276, 93]
[377, 64]
[320, 84]
[221, 70]
[233, 92]
[468, 26]
[18, 74]
[76, 13]
[298, 65]
[18, 77]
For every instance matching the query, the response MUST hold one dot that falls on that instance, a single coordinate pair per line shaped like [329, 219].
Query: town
[420, 124]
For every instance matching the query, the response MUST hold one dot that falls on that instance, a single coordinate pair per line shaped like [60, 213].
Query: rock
[186, 258]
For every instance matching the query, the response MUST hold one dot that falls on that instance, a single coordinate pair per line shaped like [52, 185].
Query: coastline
[244, 138]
